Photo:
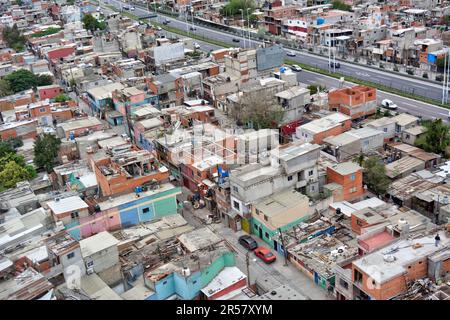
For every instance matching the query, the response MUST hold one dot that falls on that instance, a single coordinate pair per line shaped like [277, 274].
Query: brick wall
[341, 128]
[347, 184]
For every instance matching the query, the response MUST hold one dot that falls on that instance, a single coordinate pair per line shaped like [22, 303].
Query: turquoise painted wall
[165, 207]
[188, 288]
[165, 288]
[76, 233]
[132, 213]
[226, 260]
[256, 224]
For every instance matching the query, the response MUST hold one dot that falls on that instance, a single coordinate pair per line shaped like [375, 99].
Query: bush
[410, 71]
[381, 66]
[61, 98]
[310, 49]
[439, 77]
[425, 75]
[395, 68]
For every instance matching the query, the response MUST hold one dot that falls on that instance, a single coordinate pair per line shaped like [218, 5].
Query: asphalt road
[416, 86]
[400, 82]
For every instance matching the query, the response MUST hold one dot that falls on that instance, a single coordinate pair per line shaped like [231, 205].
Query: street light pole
[248, 29]
[243, 35]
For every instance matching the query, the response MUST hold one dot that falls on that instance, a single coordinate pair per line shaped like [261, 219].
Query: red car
[265, 255]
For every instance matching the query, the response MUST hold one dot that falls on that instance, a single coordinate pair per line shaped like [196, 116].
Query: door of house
[238, 225]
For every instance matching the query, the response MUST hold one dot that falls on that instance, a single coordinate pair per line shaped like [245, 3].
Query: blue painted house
[135, 208]
[170, 280]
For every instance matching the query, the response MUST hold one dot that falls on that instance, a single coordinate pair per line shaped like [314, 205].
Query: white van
[388, 104]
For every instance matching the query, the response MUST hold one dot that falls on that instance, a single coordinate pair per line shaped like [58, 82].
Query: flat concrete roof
[393, 261]
[346, 168]
[279, 202]
[325, 123]
[97, 243]
[67, 205]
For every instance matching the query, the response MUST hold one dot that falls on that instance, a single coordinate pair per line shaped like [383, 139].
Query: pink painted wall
[112, 219]
[137, 98]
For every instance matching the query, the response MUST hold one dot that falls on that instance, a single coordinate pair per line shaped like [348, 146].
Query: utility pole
[445, 77]
[329, 54]
[247, 262]
[284, 247]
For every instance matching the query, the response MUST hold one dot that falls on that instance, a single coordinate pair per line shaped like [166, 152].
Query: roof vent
[273, 292]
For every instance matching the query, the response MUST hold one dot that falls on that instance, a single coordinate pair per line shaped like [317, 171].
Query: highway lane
[415, 86]
[414, 107]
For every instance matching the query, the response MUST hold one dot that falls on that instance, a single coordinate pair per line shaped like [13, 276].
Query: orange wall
[332, 132]
[347, 184]
[121, 183]
[395, 286]
[352, 96]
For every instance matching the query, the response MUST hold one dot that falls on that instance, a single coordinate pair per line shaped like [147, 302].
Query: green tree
[359, 159]
[21, 80]
[14, 38]
[44, 80]
[314, 88]
[233, 8]
[46, 32]
[24, 79]
[437, 137]
[375, 175]
[5, 149]
[258, 110]
[12, 173]
[15, 142]
[339, 5]
[61, 98]
[13, 167]
[19, 159]
[46, 148]
[5, 89]
[92, 24]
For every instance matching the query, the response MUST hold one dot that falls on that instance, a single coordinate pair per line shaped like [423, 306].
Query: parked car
[167, 21]
[132, 8]
[290, 53]
[296, 68]
[388, 104]
[196, 45]
[236, 40]
[248, 242]
[158, 28]
[126, 7]
[193, 28]
[336, 65]
[265, 254]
